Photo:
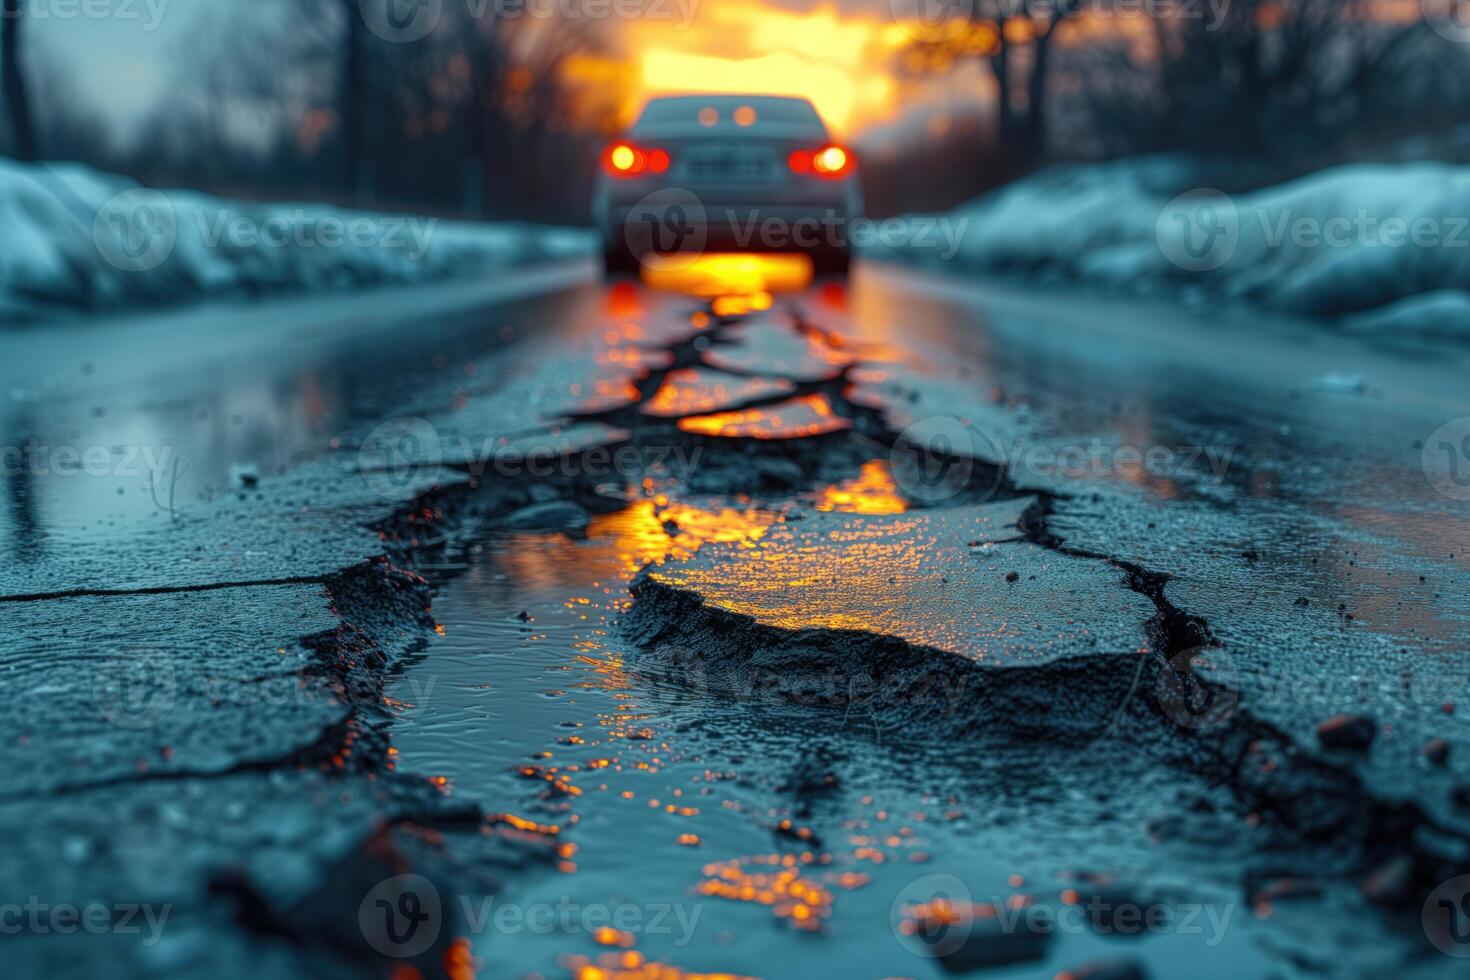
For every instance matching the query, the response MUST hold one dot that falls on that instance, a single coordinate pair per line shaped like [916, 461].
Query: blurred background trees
[1261, 88]
[13, 82]
[1013, 40]
[504, 118]
[1289, 84]
[282, 98]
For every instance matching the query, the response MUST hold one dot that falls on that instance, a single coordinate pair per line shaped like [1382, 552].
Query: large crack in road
[760, 445]
[843, 586]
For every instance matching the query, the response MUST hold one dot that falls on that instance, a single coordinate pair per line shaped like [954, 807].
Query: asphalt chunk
[917, 578]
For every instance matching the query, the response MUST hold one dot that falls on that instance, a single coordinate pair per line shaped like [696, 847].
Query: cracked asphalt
[906, 628]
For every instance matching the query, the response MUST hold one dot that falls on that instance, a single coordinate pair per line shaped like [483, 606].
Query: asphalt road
[959, 592]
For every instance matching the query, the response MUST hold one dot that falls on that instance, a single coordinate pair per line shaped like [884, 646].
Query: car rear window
[729, 112]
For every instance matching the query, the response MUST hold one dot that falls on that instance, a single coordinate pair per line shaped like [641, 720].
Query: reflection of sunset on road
[655, 530]
[730, 275]
[797, 418]
[872, 491]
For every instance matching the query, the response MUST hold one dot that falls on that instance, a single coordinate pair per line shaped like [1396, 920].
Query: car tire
[832, 262]
[618, 260]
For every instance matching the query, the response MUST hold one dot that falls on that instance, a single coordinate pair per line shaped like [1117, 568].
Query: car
[726, 173]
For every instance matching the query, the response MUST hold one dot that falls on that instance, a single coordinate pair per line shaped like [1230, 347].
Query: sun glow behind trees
[839, 61]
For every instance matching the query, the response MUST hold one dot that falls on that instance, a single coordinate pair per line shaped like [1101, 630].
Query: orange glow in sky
[838, 61]
[843, 60]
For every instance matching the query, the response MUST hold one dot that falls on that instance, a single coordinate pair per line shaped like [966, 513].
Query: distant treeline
[483, 116]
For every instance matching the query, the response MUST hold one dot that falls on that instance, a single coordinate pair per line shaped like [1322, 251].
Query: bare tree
[1270, 79]
[1013, 39]
[481, 115]
[493, 93]
[537, 101]
[354, 94]
[1260, 79]
[17, 100]
[450, 85]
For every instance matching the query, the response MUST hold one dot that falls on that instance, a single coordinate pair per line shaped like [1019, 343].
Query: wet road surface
[899, 629]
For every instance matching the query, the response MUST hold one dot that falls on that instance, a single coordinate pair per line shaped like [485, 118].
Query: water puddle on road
[700, 834]
[717, 837]
[527, 700]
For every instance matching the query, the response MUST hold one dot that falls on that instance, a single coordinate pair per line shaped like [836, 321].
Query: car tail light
[627, 160]
[829, 162]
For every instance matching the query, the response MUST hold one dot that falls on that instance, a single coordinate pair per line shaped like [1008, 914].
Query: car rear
[727, 173]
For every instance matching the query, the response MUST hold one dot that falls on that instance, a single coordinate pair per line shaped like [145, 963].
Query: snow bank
[1440, 314]
[75, 239]
[1381, 247]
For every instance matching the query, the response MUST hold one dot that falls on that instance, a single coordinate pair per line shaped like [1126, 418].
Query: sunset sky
[837, 59]
[836, 54]
[839, 53]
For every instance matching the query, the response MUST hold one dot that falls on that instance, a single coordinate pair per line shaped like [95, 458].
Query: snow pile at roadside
[1383, 248]
[75, 239]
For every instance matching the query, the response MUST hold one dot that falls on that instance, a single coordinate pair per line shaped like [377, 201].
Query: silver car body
[729, 181]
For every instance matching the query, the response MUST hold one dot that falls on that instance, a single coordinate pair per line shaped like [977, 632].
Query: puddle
[701, 833]
[705, 836]
[797, 418]
[872, 491]
[694, 390]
